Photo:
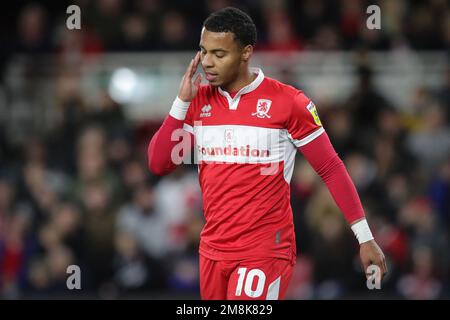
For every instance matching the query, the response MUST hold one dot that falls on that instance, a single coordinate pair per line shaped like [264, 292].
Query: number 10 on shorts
[246, 281]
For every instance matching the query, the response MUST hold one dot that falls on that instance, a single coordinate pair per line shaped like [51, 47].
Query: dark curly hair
[233, 20]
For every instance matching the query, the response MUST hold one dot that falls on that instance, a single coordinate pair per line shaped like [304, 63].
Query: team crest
[229, 136]
[262, 108]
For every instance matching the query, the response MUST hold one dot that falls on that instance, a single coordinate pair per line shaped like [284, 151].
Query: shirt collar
[248, 88]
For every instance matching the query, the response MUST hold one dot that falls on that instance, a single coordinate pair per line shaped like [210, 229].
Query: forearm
[338, 181]
[169, 144]
[161, 147]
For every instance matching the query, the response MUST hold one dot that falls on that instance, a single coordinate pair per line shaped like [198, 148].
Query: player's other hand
[188, 87]
[370, 253]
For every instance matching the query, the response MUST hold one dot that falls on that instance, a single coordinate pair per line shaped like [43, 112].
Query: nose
[207, 61]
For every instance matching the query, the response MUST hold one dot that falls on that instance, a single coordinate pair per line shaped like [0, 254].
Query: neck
[243, 79]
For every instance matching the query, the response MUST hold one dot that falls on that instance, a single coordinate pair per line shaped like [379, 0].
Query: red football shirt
[245, 147]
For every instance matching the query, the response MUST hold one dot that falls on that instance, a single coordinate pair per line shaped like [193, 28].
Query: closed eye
[219, 53]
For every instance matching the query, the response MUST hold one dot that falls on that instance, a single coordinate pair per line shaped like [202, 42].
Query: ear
[247, 52]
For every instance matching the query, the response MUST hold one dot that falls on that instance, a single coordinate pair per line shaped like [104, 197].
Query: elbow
[156, 169]
[330, 166]
[154, 166]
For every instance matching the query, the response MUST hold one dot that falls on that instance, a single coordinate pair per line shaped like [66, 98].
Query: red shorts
[249, 279]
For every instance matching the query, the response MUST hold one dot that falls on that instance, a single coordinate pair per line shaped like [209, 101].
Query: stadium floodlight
[123, 85]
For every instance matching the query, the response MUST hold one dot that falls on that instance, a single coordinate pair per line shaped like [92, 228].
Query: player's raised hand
[188, 87]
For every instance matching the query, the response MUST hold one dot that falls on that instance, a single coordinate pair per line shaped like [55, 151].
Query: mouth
[210, 76]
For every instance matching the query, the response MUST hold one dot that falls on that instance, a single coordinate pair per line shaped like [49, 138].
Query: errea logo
[206, 111]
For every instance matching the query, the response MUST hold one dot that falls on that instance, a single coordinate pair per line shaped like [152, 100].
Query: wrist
[362, 231]
[179, 108]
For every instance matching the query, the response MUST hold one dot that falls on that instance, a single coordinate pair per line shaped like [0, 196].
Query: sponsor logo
[312, 109]
[245, 151]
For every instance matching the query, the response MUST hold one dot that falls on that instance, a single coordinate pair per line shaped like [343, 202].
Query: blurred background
[78, 108]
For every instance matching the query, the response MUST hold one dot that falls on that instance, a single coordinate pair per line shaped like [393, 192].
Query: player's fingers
[196, 60]
[385, 269]
[381, 264]
[195, 63]
[197, 80]
[187, 74]
[366, 265]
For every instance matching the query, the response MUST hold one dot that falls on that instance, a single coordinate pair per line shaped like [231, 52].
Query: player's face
[221, 57]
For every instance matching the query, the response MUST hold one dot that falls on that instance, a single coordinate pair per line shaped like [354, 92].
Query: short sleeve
[304, 124]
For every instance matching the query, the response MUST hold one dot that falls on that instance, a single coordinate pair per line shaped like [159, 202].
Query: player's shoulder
[286, 91]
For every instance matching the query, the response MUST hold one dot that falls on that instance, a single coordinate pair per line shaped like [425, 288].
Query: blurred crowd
[79, 193]
[83, 195]
[400, 164]
[283, 25]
